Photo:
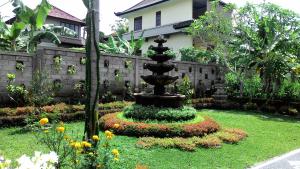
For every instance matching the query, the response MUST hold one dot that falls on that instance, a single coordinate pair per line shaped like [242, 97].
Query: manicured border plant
[131, 128]
[229, 136]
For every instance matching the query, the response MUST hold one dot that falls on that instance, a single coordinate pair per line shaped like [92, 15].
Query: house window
[158, 18]
[73, 27]
[138, 21]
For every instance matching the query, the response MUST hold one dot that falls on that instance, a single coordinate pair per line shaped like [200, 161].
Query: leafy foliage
[155, 113]
[289, 90]
[28, 29]
[41, 90]
[195, 55]
[199, 127]
[119, 45]
[120, 27]
[185, 88]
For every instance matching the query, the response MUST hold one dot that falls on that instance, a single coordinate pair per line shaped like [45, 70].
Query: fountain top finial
[160, 40]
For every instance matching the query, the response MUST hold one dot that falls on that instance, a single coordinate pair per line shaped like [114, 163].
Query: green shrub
[186, 88]
[17, 93]
[253, 87]
[289, 90]
[232, 84]
[41, 90]
[114, 105]
[126, 126]
[154, 113]
[195, 55]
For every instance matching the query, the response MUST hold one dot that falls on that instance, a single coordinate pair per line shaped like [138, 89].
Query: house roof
[57, 13]
[141, 5]
[145, 4]
[161, 30]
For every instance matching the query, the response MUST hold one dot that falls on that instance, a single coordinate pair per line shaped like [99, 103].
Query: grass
[269, 136]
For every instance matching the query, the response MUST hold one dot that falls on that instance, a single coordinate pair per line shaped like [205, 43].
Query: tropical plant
[9, 36]
[120, 27]
[268, 42]
[41, 90]
[215, 29]
[28, 28]
[185, 88]
[120, 46]
[17, 93]
[195, 55]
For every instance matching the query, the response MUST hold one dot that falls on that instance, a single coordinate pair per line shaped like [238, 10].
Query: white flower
[38, 161]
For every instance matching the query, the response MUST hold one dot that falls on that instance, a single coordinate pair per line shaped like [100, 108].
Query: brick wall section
[43, 59]
[8, 63]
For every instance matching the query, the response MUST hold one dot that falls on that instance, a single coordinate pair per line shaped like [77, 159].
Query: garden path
[290, 160]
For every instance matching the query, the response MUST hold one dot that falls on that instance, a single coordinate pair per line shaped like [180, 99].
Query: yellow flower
[67, 137]
[86, 144]
[116, 126]
[60, 129]
[44, 121]
[76, 145]
[109, 135]
[116, 159]
[95, 138]
[46, 131]
[115, 152]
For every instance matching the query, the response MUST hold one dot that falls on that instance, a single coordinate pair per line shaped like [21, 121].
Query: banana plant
[35, 18]
[119, 45]
[9, 35]
[48, 32]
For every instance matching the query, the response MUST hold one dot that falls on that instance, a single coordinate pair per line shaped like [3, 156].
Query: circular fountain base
[172, 101]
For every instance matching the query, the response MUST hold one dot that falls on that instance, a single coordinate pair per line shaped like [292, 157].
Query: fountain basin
[172, 101]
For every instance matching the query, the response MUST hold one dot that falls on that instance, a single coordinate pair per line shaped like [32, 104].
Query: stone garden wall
[115, 70]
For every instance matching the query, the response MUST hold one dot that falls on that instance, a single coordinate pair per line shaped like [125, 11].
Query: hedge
[131, 128]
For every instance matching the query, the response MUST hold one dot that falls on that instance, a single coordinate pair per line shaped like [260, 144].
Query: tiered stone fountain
[159, 80]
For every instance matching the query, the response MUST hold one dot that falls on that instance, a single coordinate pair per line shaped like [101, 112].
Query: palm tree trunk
[92, 70]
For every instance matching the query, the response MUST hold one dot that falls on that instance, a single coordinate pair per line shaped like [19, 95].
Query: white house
[164, 17]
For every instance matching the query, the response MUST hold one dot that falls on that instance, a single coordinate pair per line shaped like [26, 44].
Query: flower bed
[123, 126]
[17, 116]
[229, 136]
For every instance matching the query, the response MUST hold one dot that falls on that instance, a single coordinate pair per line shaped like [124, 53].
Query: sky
[108, 7]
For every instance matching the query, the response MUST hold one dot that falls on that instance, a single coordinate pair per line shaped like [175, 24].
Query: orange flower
[116, 126]
[60, 129]
[44, 121]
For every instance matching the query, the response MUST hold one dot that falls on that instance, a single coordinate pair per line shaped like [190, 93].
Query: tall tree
[92, 69]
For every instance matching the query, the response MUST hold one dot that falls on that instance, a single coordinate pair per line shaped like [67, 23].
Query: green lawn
[268, 137]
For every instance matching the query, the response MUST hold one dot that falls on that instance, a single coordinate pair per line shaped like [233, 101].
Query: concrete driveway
[290, 160]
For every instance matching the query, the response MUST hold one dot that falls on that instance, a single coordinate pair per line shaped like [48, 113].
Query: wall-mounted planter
[118, 76]
[128, 65]
[71, 70]
[106, 63]
[83, 60]
[190, 69]
[182, 75]
[20, 65]
[200, 70]
[212, 71]
[57, 85]
[57, 61]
